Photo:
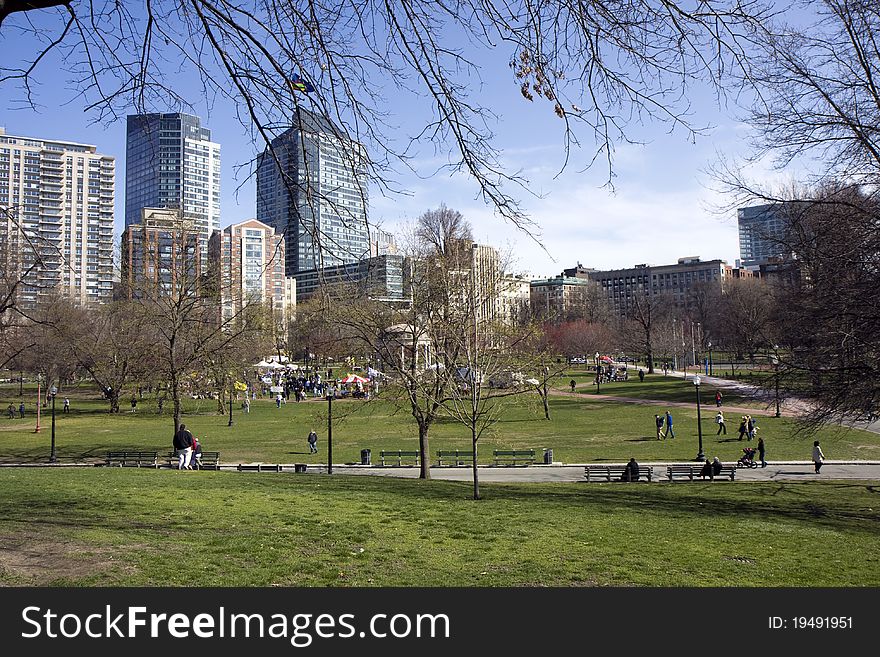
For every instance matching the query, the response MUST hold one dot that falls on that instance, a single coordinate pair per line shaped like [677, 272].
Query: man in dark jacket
[183, 445]
[631, 472]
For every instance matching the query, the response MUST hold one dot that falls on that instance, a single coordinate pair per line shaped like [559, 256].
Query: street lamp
[39, 401]
[709, 344]
[700, 455]
[330, 393]
[775, 359]
[231, 395]
[52, 392]
[598, 373]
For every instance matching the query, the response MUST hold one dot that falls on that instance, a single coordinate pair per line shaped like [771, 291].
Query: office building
[673, 282]
[379, 277]
[312, 188]
[762, 231]
[247, 260]
[56, 218]
[171, 162]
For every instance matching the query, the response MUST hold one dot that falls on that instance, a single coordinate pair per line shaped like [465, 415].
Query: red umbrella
[607, 359]
[354, 378]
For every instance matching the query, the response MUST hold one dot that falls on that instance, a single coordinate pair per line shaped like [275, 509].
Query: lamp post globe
[700, 455]
[598, 373]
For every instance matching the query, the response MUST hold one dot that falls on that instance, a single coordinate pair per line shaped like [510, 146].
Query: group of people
[748, 426]
[662, 421]
[711, 468]
[10, 411]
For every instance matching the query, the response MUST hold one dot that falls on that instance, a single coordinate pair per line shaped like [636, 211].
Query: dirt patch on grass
[33, 559]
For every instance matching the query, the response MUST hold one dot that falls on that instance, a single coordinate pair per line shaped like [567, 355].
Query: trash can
[299, 467]
[548, 456]
[365, 457]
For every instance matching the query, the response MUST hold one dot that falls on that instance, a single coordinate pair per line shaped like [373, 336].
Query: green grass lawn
[115, 526]
[581, 429]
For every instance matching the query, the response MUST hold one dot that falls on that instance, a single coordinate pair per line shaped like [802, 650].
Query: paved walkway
[784, 471]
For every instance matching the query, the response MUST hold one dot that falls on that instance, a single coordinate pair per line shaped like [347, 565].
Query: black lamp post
[598, 373]
[52, 458]
[710, 357]
[330, 394]
[776, 375]
[700, 455]
[231, 395]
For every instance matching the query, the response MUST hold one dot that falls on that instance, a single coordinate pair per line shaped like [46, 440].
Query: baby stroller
[747, 460]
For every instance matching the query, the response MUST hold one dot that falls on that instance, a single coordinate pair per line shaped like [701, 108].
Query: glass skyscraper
[312, 188]
[762, 229]
[171, 162]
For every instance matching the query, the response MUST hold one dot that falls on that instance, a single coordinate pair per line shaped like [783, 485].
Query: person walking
[313, 442]
[669, 432]
[572, 383]
[751, 426]
[658, 420]
[183, 445]
[10, 412]
[278, 399]
[743, 426]
[718, 398]
[66, 405]
[195, 460]
[719, 420]
[761, 449]
[21, 410]
[246, 405]
[641, 375]
[818, 456]
[134, 404]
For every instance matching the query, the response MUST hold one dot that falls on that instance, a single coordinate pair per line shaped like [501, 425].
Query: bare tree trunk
[545, 399]
[476, 476]
[424, 452]
[114, 402]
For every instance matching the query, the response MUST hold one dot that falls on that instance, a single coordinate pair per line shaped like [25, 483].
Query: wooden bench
[260, 467]
[209, 460]
[457, 456]
[513, 456]
[400, 455]
[133, 459]
[615, 472]
[691, 472]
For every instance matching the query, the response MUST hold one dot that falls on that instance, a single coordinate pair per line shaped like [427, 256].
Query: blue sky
[662, 206]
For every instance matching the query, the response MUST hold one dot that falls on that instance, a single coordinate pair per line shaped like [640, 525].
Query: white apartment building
[56, 218]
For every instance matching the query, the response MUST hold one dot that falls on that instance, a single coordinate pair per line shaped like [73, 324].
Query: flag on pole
[298, 83]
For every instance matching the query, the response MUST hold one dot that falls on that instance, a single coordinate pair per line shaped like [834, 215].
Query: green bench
[137, 459]
[691, 472]
[209, 461]
[615, 472]
[400, 455]
[457, 456]
[513, 456]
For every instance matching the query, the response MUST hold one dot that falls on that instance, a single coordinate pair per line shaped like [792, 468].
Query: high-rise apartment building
[171, 162]
[161, 255]
[247, 260]
[56, 218]
[762, 230]
[312, 188]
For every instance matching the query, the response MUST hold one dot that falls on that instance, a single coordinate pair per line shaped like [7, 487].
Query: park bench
[457, 456]
[400, 455]
[615, 472]
[137, 459]
[210, 460]
[513, 456]
[691, 472]
[260, 467]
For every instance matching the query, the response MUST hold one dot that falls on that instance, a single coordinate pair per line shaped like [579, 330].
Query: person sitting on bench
[631, 471]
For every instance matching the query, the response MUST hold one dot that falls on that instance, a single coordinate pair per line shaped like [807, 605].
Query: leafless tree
[598, 66]
[644, 312]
